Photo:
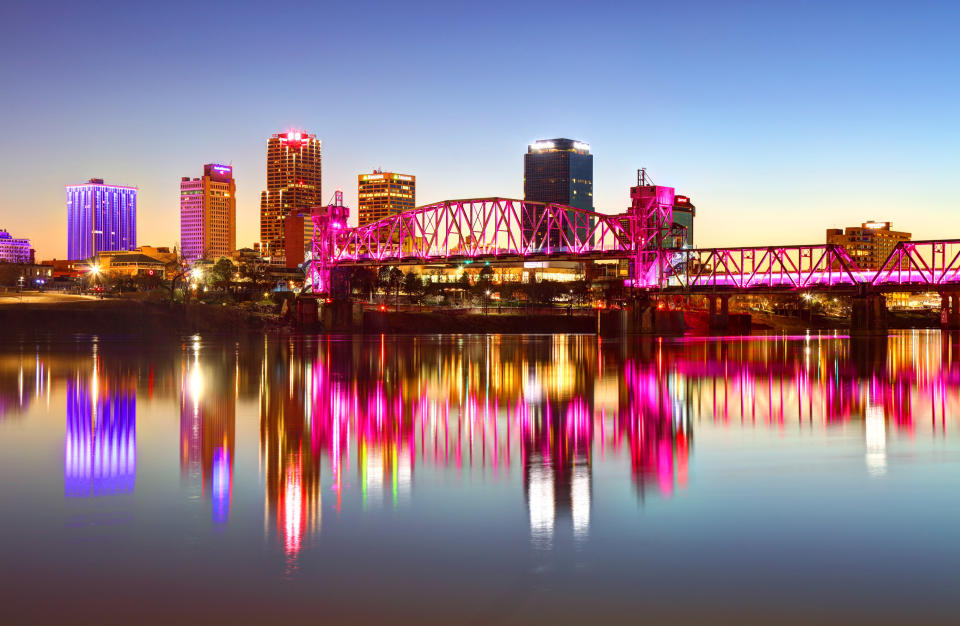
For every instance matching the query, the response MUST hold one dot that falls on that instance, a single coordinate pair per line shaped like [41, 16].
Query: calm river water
[479, 479]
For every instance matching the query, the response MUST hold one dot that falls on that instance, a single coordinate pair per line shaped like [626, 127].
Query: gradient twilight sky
[779, 119]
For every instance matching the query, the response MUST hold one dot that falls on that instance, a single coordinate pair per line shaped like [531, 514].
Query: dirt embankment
[123, 317]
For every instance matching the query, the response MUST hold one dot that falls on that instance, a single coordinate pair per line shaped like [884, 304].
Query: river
[478, 479]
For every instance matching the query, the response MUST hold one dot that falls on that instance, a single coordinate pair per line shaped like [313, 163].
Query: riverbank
[53, 314]
[67, 316]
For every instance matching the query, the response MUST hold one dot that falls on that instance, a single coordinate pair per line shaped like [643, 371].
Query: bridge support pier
[869, 315]
[719, 312]
[950, 310]
[306, 315]
[341, 316]
[641, 316]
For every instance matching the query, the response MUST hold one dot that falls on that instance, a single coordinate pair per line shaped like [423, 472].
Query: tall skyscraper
[293, 189]
[382, 194]
[208, 214]
[559, 171]
[100, 217]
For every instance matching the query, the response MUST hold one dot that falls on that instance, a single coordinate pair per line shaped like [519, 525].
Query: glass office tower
[100, 217]
[558, 171]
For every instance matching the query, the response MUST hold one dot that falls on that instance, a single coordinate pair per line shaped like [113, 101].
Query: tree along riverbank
[139, 318]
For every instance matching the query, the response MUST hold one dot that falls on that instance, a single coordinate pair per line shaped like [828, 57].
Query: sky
[778, 119]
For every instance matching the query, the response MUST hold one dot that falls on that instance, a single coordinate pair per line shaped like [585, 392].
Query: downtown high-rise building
[13, 250]
[382, 194]
[293, 190]
[208, 214]
[558, 171]
[100, 217]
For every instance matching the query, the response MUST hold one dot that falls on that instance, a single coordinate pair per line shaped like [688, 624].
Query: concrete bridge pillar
[640, 316]
[869, 315]
[306, 315]
[950, 310]
[341, 316]
[719, 312]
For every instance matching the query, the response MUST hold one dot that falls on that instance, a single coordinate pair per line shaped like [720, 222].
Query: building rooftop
[99, 181]
[558, 145]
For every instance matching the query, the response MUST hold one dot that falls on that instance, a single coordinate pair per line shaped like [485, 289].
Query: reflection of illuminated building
[100, 456]
[875, 432]
[557, 468]
[655, 424]
[208, 432]
[291, 464]
[16, 391]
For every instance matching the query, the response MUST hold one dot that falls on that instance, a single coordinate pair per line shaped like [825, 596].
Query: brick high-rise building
[869, 244]
[382, 194]
[100, 217]
[293, 189]
[208, 214]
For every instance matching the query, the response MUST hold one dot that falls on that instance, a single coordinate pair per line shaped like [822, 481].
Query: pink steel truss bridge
[502, 229]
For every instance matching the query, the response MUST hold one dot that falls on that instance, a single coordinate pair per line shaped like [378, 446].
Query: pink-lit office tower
[208, 214]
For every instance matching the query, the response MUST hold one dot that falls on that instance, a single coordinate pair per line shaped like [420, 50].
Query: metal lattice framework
[485, 227]
[512, 230]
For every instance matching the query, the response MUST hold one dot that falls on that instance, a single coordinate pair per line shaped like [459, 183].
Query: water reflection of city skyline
[361, 417]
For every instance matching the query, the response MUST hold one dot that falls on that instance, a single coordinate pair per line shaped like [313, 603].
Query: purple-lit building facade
[100, 217]
[100, 448]
[14, 250]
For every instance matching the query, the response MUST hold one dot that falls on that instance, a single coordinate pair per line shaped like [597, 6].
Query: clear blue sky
[779, 119]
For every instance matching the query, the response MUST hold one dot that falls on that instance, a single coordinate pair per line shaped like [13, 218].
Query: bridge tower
[328, 222]
[651, 221]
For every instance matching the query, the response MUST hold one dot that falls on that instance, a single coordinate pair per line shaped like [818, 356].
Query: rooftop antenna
[642, 178]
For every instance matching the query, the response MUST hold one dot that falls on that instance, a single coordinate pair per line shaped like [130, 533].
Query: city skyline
[807, 126]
